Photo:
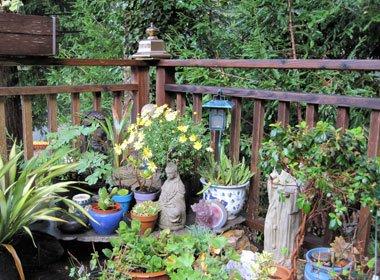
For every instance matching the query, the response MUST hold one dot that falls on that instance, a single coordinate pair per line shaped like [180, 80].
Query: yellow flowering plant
[161, 135]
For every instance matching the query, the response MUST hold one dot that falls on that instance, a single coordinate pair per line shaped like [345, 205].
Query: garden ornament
[172, 200]
[283, 217]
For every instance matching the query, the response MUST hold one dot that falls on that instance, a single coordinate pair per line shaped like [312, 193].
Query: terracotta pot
[146, 221]
[282, 273]
[161, 275]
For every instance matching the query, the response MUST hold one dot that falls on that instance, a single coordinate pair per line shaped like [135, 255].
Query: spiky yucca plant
[27, 195]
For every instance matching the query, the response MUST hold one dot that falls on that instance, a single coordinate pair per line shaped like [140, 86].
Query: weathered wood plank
[117, 105]
[181, 103]
[197, 108]
[257, 137]
[36, 90]
[235, 130]
[15, 61]
[52, 112]
[25, 24]
[283, 113]
[165, 75]
[343, 118]
[75, 108]
[140, 76]
[3, 131]
[312, 98]
[311, 115]
[364, 226]
[97, 100]
[323, 64]
[27, 126]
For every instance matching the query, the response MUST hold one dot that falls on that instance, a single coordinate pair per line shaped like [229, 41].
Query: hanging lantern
[218, 112]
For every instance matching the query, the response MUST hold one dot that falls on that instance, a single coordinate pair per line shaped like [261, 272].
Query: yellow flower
[197, 145]
[131, 138]
[117, 149]
[183, 128]
[170, 115]
[140, 136]
[148, 123]
[157, 112]
[147, 153]
[182, 138]
[151, 166]
[124, 145]
[132, 127]
[193, 138]
[138, 145]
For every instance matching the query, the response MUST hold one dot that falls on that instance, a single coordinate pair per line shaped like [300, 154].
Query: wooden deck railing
[168, 92]
[171, 93]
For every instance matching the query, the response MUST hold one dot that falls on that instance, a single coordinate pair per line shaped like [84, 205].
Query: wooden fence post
[75, 108]
[3, 131]
[235, 129]
[364, 226]
[140, 76]
[52, 112]
[97, 101]
[254, 191]
[27, 125]
[165, 75]
[283, 113]
[311, 115]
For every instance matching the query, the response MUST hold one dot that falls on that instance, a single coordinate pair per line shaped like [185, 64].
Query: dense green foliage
[223, 29]
[335, 173]
[198, 254]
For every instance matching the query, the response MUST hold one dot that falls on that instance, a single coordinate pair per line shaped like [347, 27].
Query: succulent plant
[105, 201]
[146, 208]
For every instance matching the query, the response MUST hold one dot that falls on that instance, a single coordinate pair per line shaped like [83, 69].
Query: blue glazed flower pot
[316, 271]
[124, 201]
[107, 220]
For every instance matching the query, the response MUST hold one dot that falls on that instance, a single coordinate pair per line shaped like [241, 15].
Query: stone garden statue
[283, 217]
[172, 200]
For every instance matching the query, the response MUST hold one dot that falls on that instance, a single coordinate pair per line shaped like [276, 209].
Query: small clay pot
[146, 221]
[282, 273]
[161, 275]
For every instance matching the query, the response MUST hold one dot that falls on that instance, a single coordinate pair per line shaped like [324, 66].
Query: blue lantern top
[218, 104]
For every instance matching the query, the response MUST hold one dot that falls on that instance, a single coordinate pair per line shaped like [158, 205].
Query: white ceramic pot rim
[242, 186]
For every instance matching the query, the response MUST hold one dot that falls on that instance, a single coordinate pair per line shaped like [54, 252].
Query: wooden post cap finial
[152, 32]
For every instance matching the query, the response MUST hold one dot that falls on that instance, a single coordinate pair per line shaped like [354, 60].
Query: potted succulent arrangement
[325, 262]
[147, 213]
[226, 182]
[198, 254]
[106, 213]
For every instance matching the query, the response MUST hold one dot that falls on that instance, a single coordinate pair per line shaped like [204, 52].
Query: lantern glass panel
[217, 119]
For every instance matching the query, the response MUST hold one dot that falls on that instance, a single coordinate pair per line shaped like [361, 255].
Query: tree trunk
[13, 114]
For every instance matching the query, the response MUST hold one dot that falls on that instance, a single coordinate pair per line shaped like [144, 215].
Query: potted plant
[226, 182]
[106, 213]
[325, 262]
[27, 195]
[159, 136]
[124, 198]
[147, 213]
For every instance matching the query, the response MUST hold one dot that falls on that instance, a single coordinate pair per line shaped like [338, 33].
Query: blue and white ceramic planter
[232, 197]
[316, 271]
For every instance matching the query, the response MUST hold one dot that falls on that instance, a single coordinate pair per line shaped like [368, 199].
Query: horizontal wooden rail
[317, 64]
[14, 61]
[43, 90]
[311, 98]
